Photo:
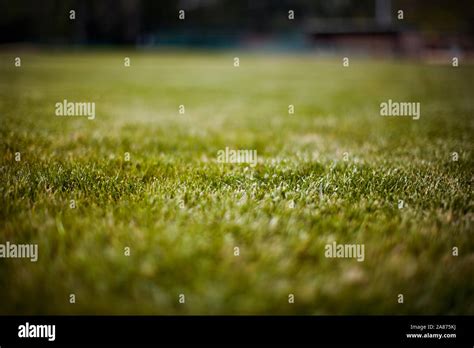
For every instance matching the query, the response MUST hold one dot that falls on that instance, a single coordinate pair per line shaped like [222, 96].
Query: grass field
[334, 170]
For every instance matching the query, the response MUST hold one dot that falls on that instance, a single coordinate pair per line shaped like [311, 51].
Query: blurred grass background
[173, 159]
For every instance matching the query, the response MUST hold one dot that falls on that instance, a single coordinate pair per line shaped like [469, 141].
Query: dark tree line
[126, 21]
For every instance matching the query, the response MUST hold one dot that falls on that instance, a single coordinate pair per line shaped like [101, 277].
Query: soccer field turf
[333, 171]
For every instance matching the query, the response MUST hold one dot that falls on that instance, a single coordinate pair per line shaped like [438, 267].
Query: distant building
[376, 36]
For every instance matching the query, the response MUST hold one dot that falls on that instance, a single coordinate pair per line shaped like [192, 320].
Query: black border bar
[290, 330]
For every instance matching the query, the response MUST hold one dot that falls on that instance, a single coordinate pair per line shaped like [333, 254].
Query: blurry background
[181, 212]
[365, 27]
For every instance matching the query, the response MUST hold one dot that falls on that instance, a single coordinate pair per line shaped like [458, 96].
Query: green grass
[188, 248]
